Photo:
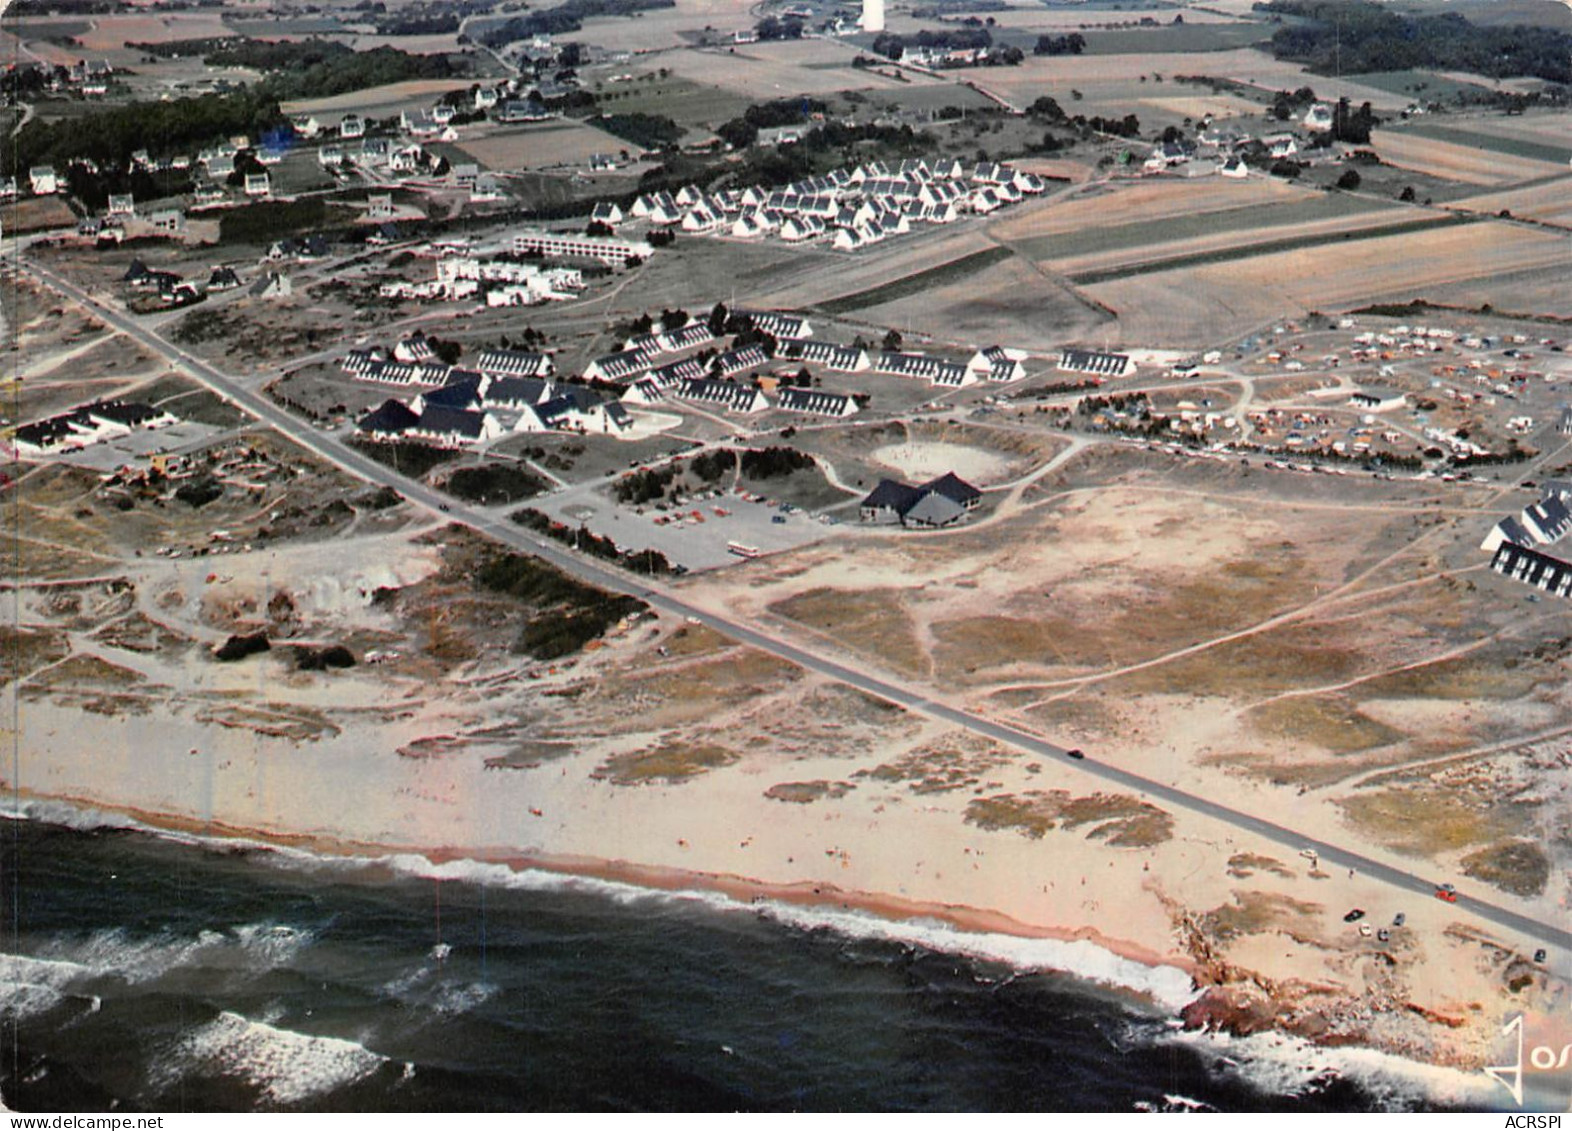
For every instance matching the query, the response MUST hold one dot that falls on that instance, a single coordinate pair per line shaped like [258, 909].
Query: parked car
[1354, 916]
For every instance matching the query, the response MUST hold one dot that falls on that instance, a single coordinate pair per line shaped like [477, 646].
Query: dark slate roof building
[516, 392]
[933, 509]
[393, 418]
[844, 359]
[728, 395]
[1532, 567]
[514, 363]
[889, 501]
[954, 488]
[939, 502]
[816, 402]
[1548, 520]
[1094, 362]
[463, 394]
[127, 414]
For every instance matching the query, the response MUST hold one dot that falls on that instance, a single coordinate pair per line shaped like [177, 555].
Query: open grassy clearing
[874, 623]
[1122, 821]
[1480, 135]
[684, 101]
[762, 72]
[1205, 303]
[1431, 819]
[1550, 202]
[1326, 722]
[668, 763]
[541, 145]
[1112, 206]
[25, 650]
[682, 694]
[1247, 245]
[1185, 37]
[1241, 222]
[1456, 161]
[1517, 866]
[1423, 86]
[941, 275]
[1012, 301]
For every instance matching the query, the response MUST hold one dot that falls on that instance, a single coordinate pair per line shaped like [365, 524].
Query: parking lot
[132, 450]
[697, 534]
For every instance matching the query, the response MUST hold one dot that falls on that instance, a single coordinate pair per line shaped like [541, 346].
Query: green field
[1286, 213]
[1496, 143]
[1425, 84]
[1266, 247]
[684, 102]
[940, 276]
[1170, 38]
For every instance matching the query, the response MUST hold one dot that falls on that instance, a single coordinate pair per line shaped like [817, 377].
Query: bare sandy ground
[1456, 162]
[1192, 305]
[1550, 202]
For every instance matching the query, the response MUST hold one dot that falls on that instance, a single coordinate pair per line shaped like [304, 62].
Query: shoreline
[744, 890]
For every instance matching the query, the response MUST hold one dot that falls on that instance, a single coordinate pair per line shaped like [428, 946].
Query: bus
[742, 551]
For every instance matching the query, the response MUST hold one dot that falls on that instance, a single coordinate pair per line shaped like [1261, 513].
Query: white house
[43, 180]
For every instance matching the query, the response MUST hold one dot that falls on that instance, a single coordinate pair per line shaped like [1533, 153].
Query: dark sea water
[144, 973]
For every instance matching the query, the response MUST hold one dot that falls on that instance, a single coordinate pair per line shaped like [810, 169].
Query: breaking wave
[285, 1066]
[1283, 1065]
[1168, 986]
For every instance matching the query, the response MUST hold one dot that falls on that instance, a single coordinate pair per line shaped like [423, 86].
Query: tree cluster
[1072, 44]
[1359, 36]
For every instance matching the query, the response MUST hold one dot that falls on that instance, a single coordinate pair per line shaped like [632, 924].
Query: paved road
[331, 449]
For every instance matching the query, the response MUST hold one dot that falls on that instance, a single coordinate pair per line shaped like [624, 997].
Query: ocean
[149, 973]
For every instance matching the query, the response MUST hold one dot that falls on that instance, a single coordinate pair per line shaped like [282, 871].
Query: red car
[1446, 893]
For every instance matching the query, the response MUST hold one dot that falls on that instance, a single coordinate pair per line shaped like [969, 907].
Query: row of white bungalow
[851, 207]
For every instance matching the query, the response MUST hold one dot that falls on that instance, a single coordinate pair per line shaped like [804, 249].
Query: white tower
[872, 15]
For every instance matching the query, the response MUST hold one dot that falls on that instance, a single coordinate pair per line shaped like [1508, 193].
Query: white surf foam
[285, 1066]
[1282, 1065]
[1168, 986]
[30, 986]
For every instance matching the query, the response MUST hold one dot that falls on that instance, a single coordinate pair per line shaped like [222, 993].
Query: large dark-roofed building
[1532, 567]
[1094, 362]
